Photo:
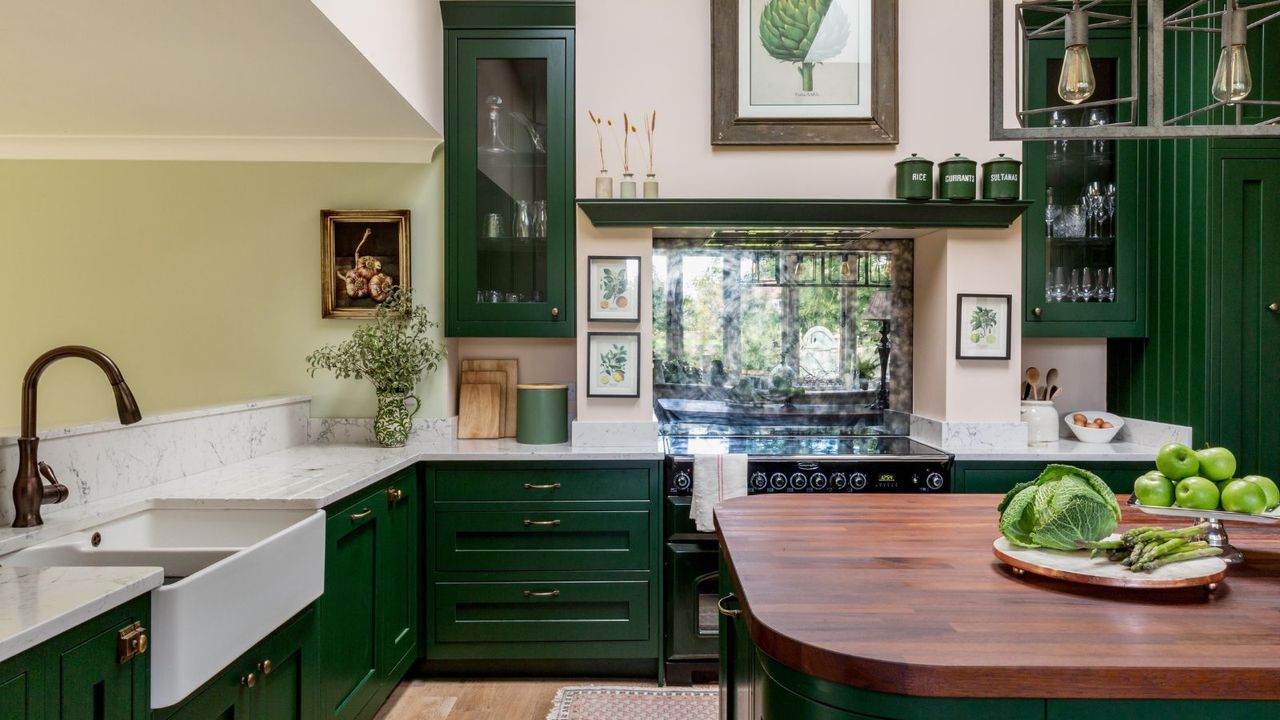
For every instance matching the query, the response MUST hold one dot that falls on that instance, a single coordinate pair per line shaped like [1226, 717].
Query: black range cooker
[780, 459]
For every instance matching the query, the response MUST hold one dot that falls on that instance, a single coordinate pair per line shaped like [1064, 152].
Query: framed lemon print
[613, 365]
[983, 330]
[615, 289]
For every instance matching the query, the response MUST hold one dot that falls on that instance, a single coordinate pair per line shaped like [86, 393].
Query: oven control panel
[765, 476]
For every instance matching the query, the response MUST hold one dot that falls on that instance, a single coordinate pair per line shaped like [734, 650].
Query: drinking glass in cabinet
[524, 219]
[540, 218]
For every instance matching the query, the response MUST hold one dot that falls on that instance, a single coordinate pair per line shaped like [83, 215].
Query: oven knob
[819, 481]
[839, 481]
[799, 481]
[759, 481]
[858, 481]
[778, 481]
[933, 481]
[683, 481]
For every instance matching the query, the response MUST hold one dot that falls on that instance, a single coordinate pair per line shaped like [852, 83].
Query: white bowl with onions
[1093, 426]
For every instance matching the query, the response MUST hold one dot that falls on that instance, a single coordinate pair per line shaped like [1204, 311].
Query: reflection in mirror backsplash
[780, 323]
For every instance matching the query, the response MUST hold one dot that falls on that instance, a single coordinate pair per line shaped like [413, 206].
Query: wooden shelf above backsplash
[697, 212]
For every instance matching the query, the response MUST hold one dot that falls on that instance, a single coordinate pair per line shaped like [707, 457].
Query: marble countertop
[1063, 450]
[37, 604]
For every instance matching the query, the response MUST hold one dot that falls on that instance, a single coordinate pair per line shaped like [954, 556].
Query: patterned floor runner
[634, 703]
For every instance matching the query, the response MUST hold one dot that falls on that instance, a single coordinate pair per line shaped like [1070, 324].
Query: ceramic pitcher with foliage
[393, 352]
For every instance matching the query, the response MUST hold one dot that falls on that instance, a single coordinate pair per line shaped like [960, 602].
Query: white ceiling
[267, 73]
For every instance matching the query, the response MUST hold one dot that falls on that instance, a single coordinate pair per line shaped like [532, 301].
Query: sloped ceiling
[189, 79]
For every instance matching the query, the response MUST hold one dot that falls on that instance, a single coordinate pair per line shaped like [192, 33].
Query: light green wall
[201, 279]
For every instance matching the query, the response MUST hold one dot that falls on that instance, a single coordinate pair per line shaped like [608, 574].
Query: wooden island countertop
[901, 594]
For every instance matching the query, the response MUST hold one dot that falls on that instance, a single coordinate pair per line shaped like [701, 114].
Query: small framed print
[983, 330]
[613, 364]
[364, 254]
[614, 293]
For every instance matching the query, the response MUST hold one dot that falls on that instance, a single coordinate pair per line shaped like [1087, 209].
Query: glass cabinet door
[510, 198]
[1080, 237]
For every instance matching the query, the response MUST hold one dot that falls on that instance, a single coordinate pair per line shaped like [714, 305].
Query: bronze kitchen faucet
[28, 494]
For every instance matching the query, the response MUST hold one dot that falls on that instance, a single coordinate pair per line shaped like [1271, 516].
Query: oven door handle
[728, 612]
[807, 466]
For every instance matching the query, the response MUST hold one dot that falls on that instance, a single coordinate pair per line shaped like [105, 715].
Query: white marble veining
[104, 460]
[1153, 434]
[37, 604]
[1008, 442]
[926, 430]
[958, 436]
[598, 433]
[326, 431]
[1066, 451]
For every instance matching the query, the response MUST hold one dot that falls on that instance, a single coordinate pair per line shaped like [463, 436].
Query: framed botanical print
[614, 294]
[804, 72]
[613, 364]
[983, 329]
[364, 254]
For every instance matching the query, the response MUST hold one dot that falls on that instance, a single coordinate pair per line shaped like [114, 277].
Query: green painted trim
[506, 13]
[711, 212]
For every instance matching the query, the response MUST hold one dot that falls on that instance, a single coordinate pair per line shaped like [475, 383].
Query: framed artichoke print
[804, 72]
[363, 255]
[613, 365]
[983, 330]
[615, 289]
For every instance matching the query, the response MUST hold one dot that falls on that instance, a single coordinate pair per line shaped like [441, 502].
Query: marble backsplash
[106, 459]
[359, 431]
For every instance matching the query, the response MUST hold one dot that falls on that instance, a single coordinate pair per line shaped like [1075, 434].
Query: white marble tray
[1079, 567]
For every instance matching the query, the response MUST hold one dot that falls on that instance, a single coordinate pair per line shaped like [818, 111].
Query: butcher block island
[891, 607]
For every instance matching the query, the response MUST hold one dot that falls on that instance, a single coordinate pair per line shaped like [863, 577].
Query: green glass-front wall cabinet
[368, 615]
[509, 183]
[543, 566]
[1214, 208]
[1084, 250]
[79, 674]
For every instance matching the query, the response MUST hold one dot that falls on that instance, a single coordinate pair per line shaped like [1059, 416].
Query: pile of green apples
[1204, 480]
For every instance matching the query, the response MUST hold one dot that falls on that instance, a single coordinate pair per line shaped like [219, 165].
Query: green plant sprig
[392, 352]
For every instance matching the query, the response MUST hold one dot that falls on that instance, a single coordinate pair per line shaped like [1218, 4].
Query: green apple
[1216, 463]
[1177, 461]
[1154, 490]
[1243, 496]
[1268, 486]
[1197, 493]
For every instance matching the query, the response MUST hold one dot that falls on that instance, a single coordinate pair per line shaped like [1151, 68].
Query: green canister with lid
[957, 179]
[915, 178]
[1001, 178]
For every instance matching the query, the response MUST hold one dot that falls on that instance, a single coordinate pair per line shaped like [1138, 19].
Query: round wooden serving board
[1079, 567]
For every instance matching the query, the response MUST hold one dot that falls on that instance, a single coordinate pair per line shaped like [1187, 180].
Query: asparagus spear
[1181, 556]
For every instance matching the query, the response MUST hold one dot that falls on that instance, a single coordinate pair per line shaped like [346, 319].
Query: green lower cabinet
[275, 680]
[368, 614]
[79, 674]
[1000, 477]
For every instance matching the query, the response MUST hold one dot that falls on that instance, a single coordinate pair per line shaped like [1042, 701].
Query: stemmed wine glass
[1098, 117]
[1093, 203]
[1109, 206]
[1086, 285]
[1051, 213]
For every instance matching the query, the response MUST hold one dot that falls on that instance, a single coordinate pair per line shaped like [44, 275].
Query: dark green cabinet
[277, 679]
[1084, 250]
[80, 674]
[509, 187]
[999, 477]
[368, 614]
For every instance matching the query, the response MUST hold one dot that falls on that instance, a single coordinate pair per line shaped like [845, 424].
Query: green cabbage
[1064, 505]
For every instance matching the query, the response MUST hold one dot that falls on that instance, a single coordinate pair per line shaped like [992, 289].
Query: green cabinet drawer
[541, 540]
[18, 696]
[541, 485]
[541, 611]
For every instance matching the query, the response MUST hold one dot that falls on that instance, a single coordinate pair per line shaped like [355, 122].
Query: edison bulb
[1232, 81]
[1077, 82]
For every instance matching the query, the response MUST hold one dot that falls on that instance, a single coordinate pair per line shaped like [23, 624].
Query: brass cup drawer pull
[727, 612]
[394, 495]
[541, 523]
[547, 594]
[542, 486]
[362, 514]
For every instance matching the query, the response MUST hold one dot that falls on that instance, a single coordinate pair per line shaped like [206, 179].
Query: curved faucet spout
[28, 494]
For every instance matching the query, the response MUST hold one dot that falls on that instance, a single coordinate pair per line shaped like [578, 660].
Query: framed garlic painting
[983, 327]
[364, 254]
[613, 365]
[804, 72]
[614, 291]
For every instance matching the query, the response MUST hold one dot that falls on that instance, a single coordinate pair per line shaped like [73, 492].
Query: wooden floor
[480, 698]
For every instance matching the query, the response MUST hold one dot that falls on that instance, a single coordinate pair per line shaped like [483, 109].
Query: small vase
[604, 186]
[651, 186]
[627, 188]
[394, 422]
[1042, 421]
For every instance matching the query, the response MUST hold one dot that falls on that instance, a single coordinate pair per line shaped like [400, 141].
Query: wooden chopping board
[512, 370]
[480, 411]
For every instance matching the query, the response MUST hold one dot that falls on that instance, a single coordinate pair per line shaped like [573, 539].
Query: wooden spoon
[1049, 380]
[1033, 377]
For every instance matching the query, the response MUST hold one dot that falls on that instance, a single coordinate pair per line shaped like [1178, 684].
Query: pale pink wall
[930, 351]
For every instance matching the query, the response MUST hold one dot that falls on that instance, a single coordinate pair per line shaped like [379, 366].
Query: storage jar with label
[1001, 178]
[915, 178]
[957, 179]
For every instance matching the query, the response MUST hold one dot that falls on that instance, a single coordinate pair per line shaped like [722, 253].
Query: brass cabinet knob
[555, 312]
[144, 642]
[249, 680]
[1274, 307]
[394, 495]
[1037, 312]
[266, 667]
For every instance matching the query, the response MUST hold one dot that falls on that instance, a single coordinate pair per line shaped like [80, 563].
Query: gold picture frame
[364, 253]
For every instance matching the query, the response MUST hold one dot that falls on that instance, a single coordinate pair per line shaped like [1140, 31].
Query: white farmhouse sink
[231, 577]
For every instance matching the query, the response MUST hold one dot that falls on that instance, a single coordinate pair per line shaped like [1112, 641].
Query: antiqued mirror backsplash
[780, 321]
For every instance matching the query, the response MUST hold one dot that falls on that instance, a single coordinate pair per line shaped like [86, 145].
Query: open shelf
[889, 213]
